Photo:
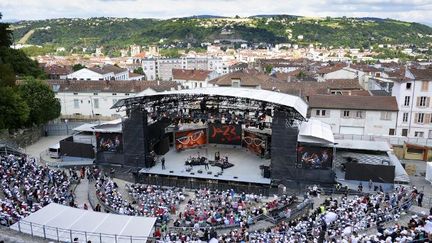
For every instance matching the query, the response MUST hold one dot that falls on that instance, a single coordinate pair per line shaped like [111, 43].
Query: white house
[358, 115]
[337, 71]
[149, 68]
[92, 100]
[106, 72]
[413, 94]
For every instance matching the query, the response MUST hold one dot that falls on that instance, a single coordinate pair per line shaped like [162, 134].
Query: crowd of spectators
[156, 201]
[226, 208]
[27, 187]
[108, 193]
[343, 219]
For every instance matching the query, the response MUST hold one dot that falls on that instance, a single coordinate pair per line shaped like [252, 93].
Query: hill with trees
[117, 33]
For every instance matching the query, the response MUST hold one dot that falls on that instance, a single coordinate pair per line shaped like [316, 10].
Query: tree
[77, 67]
[14, 111]
[5, 34]
[301, 75]
[7, 76]
[139, 70]
[20, 62]
[268, 68]
[171, 53]
[41, 101]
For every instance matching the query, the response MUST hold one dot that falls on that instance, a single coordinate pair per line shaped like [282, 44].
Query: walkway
[81, 194]
[43, 144]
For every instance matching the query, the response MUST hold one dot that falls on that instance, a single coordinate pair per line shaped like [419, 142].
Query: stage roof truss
[258, 100]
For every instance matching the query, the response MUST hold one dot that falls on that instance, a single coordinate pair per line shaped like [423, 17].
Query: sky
[407, 10]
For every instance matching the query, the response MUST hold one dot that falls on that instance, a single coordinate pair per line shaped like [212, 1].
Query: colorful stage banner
[312, 157]
[225, 134]
[111, 142]
[190, 139]
[255, 142]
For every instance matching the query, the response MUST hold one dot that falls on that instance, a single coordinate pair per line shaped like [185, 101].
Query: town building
[356, 115]
[81, 99]
[161, 68]
[413, 94]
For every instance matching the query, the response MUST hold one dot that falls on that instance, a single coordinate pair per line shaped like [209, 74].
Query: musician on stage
[217, 156]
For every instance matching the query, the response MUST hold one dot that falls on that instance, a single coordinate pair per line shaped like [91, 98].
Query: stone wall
[22, 137]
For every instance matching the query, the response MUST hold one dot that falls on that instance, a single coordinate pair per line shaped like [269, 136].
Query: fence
[62, 162]
[8, 147]
[194, 183]
[60, 129]
[68, 235]
[394, 140]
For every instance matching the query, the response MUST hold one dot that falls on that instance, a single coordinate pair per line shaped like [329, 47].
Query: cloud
[413, 10]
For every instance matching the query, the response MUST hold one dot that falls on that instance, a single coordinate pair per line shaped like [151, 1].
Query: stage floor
[245, 169]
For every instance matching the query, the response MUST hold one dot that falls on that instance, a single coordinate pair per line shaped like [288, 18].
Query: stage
[246, 167]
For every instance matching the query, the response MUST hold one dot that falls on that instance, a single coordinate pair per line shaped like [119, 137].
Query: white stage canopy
[114, 126]
[63, 223]
[315, 131]
[254, 94]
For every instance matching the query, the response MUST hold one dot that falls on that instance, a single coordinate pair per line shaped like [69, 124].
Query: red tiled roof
[108, 69]
[380, 103]
[422, 74]
[253, 78]
[57, 69]
[131, 75]
[100, 86]
[190, 74]
[364, 68]
[140, 55]
[330, 69]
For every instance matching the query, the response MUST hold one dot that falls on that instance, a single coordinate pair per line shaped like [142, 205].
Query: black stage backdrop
[190, 139]
[225, 134]
[255, 142]
[314, 157]
[70, 148]
[366, 172]
[111, 142]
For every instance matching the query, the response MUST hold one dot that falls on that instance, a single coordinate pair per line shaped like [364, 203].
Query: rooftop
[422, 74]
[107, 69]
[110, 86]
[190, 74]
[379, 103]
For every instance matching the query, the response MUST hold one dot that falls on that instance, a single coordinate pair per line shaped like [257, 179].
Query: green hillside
[116, 33]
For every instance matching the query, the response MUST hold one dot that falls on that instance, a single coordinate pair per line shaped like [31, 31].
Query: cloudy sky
[409, 10]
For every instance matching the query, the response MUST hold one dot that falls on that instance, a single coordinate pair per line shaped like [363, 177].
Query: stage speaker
[268, 112]
[134, 133]
[267, 172]
[283, 148]
[162, 147]
[150, 161]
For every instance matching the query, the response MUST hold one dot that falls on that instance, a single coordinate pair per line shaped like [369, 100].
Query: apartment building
[413, 94]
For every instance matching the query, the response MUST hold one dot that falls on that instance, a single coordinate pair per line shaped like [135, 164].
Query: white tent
[429, 171]
[316, 131]
[63, 223]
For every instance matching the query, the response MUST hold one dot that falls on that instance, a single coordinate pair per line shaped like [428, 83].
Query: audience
[27, 187]
[155, 201]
